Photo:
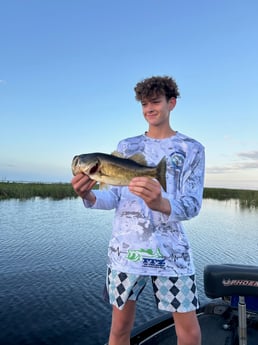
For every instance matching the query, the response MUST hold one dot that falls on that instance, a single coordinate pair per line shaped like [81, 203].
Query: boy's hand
[150, 191]
[82, 186]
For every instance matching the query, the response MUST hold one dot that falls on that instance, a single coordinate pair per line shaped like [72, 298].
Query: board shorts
[173, 294]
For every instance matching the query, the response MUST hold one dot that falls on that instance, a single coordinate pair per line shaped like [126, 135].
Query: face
[156, 110]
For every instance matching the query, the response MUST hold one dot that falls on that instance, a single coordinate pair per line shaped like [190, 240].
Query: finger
[140, 180]
[77, 178]
[140, 191]
[82, 184]
[144, 185]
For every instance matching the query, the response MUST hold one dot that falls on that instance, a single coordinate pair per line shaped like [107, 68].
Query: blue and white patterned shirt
[148, 242]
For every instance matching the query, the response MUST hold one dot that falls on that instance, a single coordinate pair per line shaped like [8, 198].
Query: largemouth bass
[116, 170]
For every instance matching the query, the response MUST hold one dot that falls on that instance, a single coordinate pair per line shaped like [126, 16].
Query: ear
[172, 103]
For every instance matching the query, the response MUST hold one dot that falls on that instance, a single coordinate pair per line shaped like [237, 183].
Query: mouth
[94, 168]
[79, 164]
[151, 114]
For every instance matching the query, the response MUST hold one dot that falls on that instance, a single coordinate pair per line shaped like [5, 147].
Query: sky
[68, 70]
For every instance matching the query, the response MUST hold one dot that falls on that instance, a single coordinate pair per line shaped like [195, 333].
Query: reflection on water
[52, 266]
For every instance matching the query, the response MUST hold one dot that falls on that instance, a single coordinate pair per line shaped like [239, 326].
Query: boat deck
[219, 326]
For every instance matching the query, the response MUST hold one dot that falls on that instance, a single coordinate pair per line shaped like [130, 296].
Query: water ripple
[53, 259]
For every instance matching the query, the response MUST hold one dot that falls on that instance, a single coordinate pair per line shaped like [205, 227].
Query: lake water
[51, 279]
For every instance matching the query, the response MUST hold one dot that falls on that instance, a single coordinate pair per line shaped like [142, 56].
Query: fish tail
[161, 173]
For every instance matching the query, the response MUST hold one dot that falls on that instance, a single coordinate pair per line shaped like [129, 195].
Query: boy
[148, 239]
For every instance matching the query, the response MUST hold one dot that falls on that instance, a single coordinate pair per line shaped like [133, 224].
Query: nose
[148, 108]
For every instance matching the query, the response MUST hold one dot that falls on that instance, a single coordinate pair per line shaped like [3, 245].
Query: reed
[246, 198]
[16, 190]
[57, 191]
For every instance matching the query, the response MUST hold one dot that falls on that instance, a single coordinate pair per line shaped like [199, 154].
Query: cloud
[246, 165]
[2, 81]
[220, 169]
[248, 160]
[249, 155]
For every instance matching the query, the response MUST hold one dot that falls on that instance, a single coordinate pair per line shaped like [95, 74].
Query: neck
[157, 133]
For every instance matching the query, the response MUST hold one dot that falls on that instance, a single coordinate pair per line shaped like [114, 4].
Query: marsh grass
[246, 198]
[16, 190]
[57, 191]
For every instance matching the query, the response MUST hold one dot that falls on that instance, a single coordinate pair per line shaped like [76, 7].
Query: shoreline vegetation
[58, 191]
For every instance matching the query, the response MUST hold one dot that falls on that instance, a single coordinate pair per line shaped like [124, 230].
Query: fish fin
[103, 185]
[137, 157]
[161, 173]
[117, 154]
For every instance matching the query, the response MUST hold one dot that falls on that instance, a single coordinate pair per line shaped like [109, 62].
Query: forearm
[187, 201]
[104, 199]
[184, 208]
[165, 207]
[90, 197]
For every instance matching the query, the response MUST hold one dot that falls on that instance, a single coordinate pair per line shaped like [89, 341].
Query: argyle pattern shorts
[174, 294]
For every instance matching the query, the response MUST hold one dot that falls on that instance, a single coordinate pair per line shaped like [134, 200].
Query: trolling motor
[238, 281]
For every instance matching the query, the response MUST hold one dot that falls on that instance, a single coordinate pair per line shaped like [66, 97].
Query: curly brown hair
[156, 86]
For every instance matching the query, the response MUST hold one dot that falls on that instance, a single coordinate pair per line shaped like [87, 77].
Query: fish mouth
[94, 168]
[79, 164]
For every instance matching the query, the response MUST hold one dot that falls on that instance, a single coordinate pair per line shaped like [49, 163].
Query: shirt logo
[177, 160]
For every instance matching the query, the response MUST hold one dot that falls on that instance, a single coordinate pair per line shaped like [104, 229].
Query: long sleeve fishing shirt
[149, 242]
